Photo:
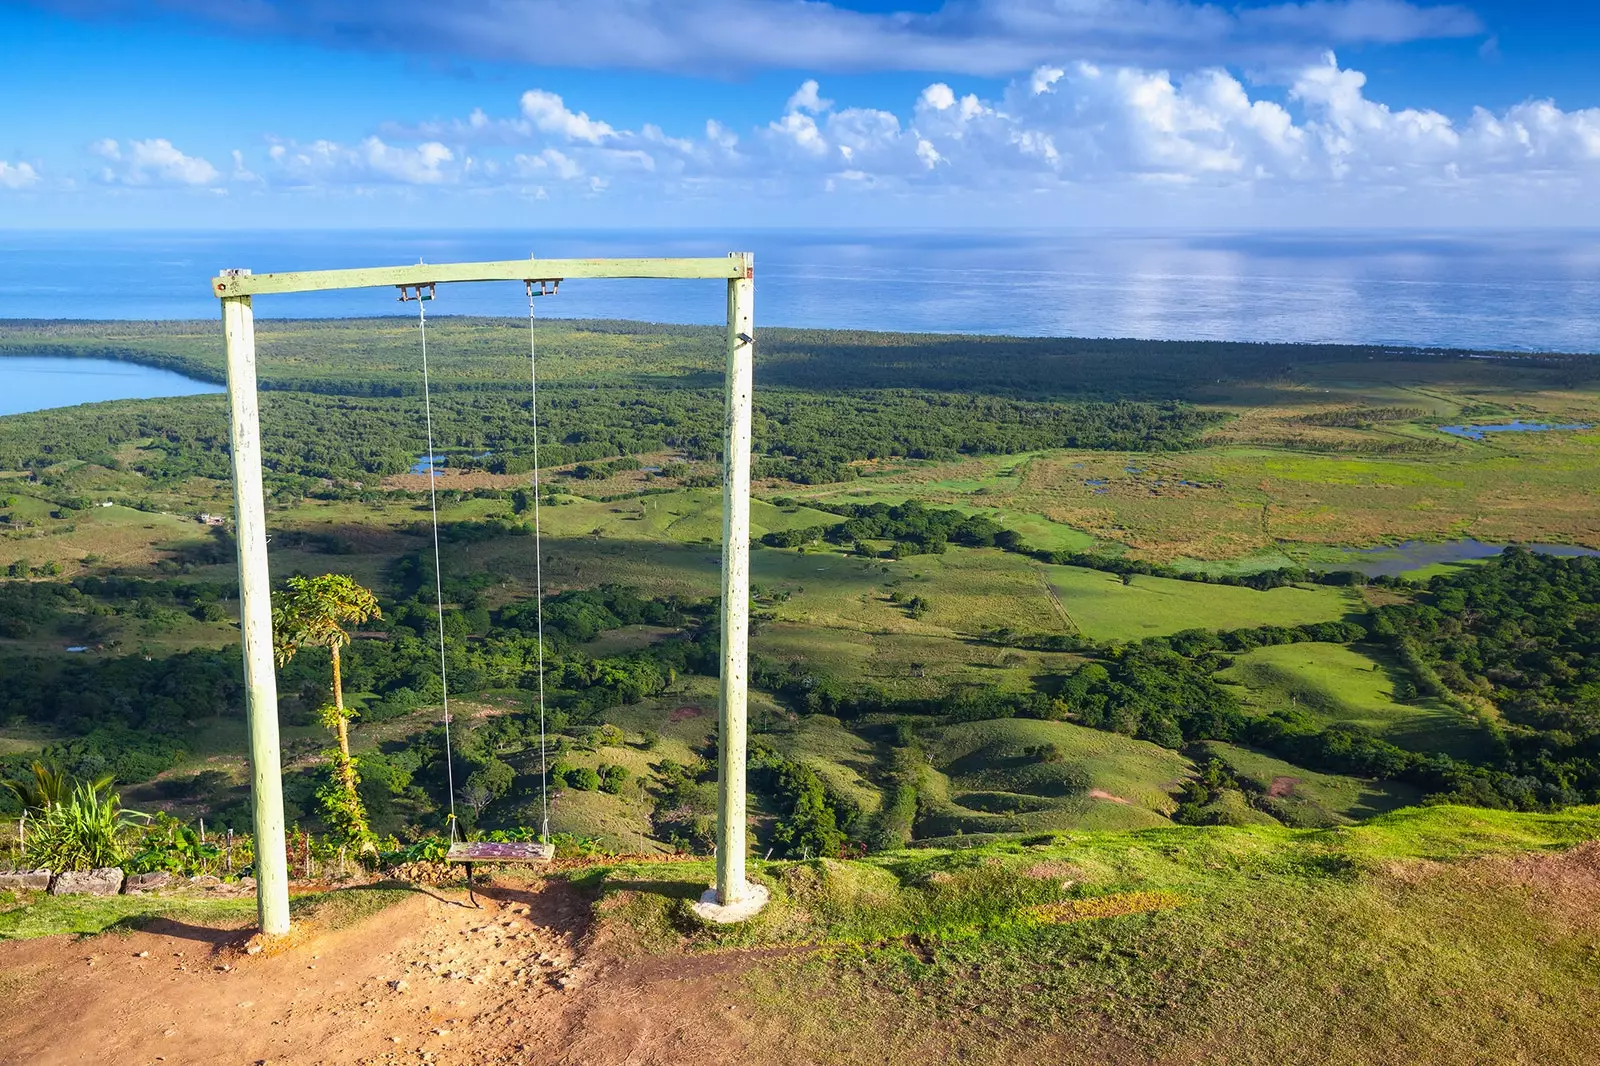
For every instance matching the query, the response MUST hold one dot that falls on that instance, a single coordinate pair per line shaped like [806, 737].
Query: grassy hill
[1339, 684]
[1440, 935]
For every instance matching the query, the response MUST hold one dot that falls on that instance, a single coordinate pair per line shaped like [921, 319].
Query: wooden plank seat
[470, 854]
[487, 851]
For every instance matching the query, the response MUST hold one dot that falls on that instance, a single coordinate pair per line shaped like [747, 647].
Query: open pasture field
[1021, 775]
[907, 665]
[1339, 684]
[1103, 607]
[1305, 797]
[1266, 506]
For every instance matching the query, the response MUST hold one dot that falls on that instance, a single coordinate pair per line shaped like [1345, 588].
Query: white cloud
[806, 98]
[1060, 127]
[550, 161]
[986, 37]
[548, 113]
[372, 161]
[152, 162]
[17, 175]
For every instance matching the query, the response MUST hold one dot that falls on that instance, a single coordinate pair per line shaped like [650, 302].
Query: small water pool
[1516, 425]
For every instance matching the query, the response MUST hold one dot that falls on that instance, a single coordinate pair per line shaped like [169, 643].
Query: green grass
[89, 915]
[841, 758]
[1104, 608]
[1338, 684]
[984, 780]
[1439, 936]
[1307, 798]
[42, 915]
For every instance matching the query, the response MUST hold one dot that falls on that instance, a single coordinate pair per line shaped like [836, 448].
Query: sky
[268, 114]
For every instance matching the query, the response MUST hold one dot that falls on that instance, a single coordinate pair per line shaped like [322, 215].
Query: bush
[86, 831]
[612, 778]
[584, 779]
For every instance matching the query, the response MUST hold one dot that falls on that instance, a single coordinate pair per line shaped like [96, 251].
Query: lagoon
[40, 382]
[1516, 425]
[1395, 560]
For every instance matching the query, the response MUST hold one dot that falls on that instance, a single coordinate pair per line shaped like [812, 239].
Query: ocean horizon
[1533, 290]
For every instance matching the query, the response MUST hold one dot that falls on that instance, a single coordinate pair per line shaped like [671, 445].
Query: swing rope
[438, 576]
[538, 573]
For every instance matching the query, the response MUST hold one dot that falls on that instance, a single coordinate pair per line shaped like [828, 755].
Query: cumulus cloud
[152, 162]
[17, 175]
[372, 161]
[987, 37]
[548, 113]
[1056, 127]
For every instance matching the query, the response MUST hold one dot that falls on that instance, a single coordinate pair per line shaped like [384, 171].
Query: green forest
[897, 463]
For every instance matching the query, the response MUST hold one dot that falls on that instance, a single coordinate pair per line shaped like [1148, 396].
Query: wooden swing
[470, 853]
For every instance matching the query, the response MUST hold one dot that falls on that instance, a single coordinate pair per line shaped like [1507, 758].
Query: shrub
[584, 779]
[612, 778]
[86, 831]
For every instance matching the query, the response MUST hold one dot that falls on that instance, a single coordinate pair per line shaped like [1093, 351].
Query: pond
[1397, 559]
[39, 382]
[1516, 425]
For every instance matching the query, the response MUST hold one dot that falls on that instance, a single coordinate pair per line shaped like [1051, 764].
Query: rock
[106, 881]
[399, 986]
[25, 881]
[205, 880]
[147, 882]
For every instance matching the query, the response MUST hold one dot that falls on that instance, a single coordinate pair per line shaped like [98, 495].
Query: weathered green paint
[732, 266]
[255, 618]
[731, 888]
[235, 289]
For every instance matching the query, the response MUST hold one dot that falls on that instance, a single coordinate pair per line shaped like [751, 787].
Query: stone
[148, 882]
[106, 881]
[25, 881]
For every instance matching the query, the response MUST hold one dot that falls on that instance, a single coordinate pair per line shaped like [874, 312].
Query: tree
[312, 612]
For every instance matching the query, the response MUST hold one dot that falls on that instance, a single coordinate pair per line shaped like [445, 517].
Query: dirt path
[428, 981]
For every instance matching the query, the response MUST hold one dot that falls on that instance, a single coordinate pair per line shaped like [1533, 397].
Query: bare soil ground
[431, 980]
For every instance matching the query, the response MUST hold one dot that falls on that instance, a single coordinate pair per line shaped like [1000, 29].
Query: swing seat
[484, 851]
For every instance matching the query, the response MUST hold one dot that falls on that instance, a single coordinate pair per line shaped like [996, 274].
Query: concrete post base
[708, 909]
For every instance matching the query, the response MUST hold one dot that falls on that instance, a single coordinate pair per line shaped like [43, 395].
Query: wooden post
[739, 389]
[255, 615]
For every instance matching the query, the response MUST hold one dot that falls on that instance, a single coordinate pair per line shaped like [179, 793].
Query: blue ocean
[1522, 291]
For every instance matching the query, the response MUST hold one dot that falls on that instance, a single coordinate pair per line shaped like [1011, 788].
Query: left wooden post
[255, 615]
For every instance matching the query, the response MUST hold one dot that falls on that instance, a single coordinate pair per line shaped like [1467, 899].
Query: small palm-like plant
[86, 830]
[312, 612]
[49, 787]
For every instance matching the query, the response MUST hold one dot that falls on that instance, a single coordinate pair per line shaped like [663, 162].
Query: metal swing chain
[538, 572]
[438, 574]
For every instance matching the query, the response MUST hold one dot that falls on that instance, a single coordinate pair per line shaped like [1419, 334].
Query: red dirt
[514, 982]
[1282, 786]
[683, 714]
[1102, 794]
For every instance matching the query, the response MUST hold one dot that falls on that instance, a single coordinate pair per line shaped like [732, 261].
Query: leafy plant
[85, 831]
[50, 786]
[172, 846]
[312, 612]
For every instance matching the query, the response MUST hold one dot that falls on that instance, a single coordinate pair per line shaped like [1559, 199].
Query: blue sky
[291, 113]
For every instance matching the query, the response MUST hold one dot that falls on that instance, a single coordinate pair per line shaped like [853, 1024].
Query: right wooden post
[740, 386]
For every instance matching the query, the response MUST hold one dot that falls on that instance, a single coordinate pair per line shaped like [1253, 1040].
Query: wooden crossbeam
[242, 283]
